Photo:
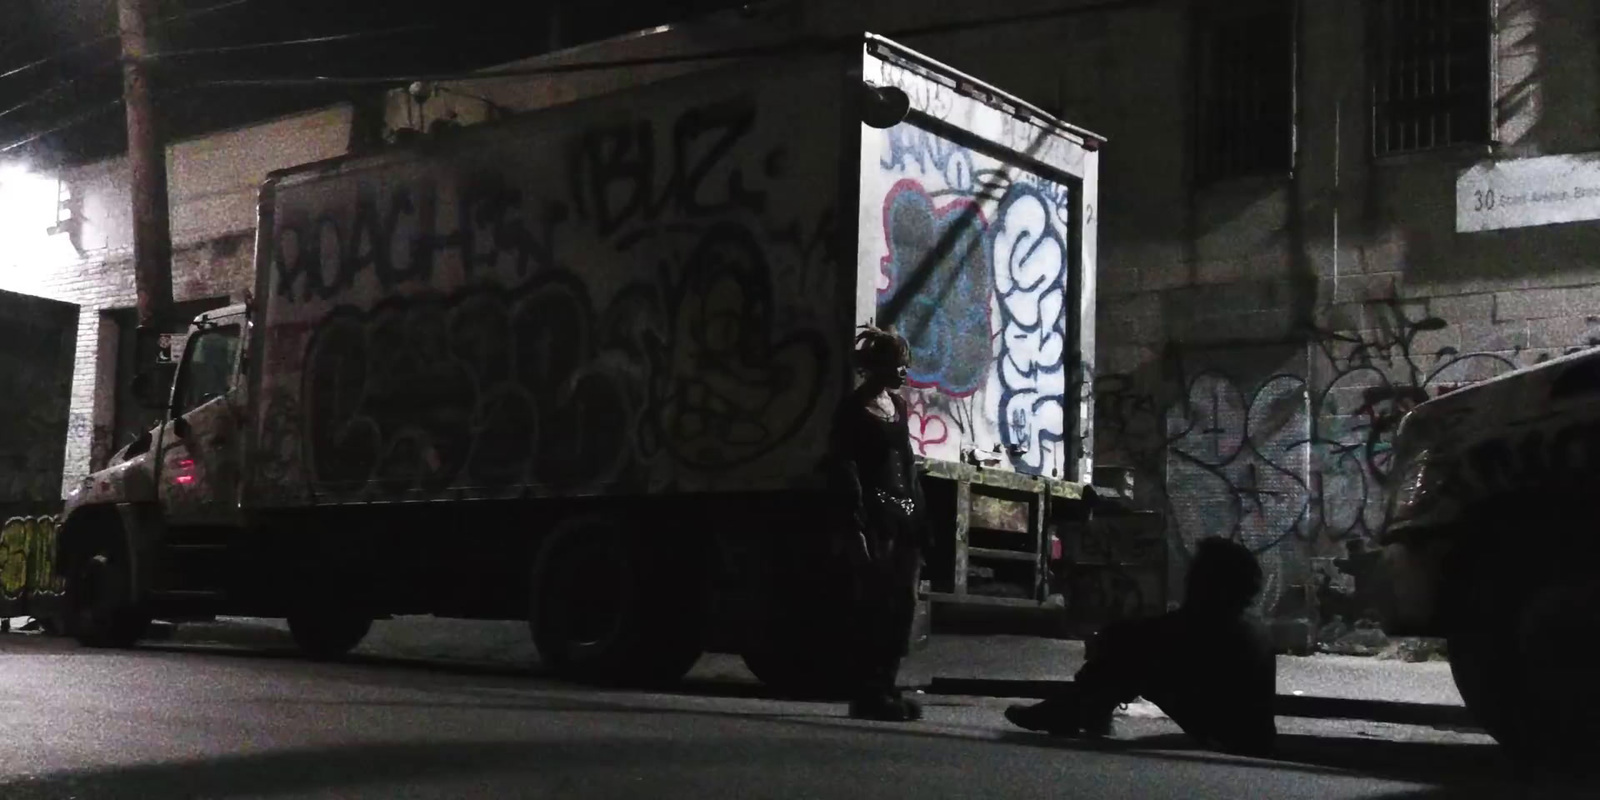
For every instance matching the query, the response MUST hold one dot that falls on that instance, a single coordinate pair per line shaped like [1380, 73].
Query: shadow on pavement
[732, 688]
[396, 769]
[1453, 769]
[1450, 769]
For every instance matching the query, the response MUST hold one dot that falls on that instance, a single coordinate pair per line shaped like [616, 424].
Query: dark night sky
[459, 35]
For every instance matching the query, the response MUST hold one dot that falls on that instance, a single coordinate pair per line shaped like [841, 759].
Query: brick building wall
[88, 261]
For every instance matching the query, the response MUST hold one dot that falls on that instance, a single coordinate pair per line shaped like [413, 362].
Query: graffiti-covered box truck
[1491, 544]
[578, 367]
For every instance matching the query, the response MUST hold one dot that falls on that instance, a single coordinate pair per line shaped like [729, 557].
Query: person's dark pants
[1213, 676]
[885, 605]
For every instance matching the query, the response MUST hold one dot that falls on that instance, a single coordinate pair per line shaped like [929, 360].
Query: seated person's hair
[1223, 578]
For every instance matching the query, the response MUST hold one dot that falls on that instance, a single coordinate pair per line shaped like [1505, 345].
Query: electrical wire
[183, 16]
[511, 72]
[52, 90]
[337, 37]
[75, 121]
[799, 46]
[807, 45]
[113, 37]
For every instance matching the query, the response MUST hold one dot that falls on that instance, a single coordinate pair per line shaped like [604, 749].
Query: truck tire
[609, 607]
[328, 635]
[102, 611]
[1517, 655]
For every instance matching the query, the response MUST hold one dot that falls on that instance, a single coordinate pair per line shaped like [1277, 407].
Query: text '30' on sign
[1528, 192]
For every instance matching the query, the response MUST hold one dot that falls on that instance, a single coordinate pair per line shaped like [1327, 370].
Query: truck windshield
[208, 364]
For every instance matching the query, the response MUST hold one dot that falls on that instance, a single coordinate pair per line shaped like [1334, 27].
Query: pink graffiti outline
[918, 418]
[885, 280]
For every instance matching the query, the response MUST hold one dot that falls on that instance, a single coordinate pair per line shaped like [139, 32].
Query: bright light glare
[28, 209]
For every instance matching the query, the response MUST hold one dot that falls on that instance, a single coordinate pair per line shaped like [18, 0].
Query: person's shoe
[911, 708]
[1060, 720]
[885, 708]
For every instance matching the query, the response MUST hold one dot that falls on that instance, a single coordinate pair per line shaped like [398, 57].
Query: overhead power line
[337, 37]
[809, 45]
[795, 47]
[184, 16]
[113, 37]
[34, 100]
[72, 122]
[511, 72]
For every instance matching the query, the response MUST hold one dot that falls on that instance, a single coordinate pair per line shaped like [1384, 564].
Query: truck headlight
[1409, 490]
[1418, 488]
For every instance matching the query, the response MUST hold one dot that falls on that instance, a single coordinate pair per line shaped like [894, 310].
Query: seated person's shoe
[1097, 724]
[1043, 718]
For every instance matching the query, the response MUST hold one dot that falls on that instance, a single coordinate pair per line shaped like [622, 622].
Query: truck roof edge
[1033, 112]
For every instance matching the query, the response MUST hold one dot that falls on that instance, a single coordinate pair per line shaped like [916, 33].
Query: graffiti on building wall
[975, 273]
[1291, 446]
[649, 314]
[27, 557]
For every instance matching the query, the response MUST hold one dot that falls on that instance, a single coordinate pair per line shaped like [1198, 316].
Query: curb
[1286, 705]
[230, 633]
[244, 634]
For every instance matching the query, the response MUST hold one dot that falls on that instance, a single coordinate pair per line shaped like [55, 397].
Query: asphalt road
[181, 721]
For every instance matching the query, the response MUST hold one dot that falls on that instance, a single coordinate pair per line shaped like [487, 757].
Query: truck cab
[128, 536]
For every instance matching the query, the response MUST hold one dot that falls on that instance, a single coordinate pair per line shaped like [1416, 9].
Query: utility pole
[147, 163]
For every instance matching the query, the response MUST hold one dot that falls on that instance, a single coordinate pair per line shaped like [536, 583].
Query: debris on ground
[1364, 639]
[1414, 650]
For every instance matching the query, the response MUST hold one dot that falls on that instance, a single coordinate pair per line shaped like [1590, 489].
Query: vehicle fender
[138, 524]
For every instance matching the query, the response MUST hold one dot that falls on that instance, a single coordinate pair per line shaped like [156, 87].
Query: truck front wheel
[328, 635]
[101, 602]
[609, 606]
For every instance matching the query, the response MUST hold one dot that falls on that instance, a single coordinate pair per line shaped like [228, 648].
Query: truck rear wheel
[610, 607]
[100, 598]
[328, 635]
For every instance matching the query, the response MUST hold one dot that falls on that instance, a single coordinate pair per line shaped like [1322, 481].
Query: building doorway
[128, 417]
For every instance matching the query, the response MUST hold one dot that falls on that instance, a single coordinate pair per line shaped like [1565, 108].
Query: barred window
[1431, 74]
[1246, 92]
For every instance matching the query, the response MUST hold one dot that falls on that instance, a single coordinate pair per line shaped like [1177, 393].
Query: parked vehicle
[1489, 544]
[578, 367]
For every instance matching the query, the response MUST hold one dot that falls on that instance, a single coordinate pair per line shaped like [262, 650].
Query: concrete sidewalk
[988, 658]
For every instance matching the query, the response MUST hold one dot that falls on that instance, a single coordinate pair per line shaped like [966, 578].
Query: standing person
[1207, 665]
[885, 532]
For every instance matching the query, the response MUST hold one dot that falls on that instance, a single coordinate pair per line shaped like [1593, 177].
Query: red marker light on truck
[187, 476]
